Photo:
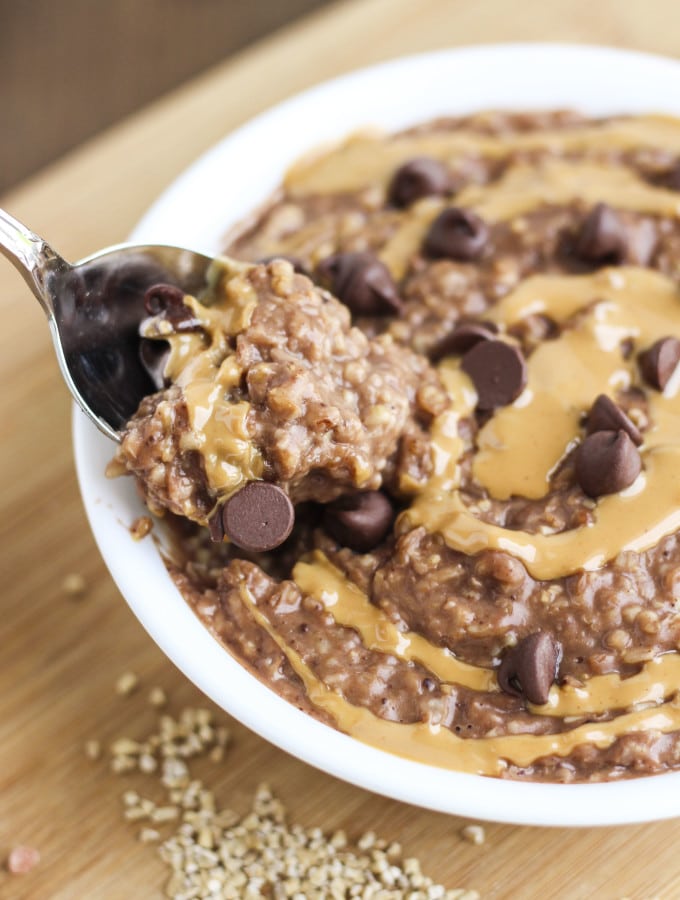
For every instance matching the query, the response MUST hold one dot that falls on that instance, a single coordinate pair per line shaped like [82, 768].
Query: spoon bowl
[94, 308]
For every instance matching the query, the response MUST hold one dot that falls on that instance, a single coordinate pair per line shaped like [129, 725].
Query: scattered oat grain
[73, 585]
[216, 754]
[93, 749]
[123, 764]
[164, 814]
[126, 684]
[149, 835]
[157, 697]
[215, 854]
[147, 763]
[222, 736]
[135, 813]
[260, 855]
[473, 834]
[125, 747]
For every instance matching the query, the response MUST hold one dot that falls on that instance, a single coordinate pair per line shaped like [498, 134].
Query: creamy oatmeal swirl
[427, 435]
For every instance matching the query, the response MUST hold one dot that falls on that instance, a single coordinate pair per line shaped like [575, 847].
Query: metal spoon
[94, 308]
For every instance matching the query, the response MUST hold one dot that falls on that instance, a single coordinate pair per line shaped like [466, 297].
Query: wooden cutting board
[61, 657]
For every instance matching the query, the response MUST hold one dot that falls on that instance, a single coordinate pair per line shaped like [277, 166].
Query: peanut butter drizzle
[367, 159]
[658, 679]
[351, 607]
[316, 240]
[636, 519]
[560, 182]
[405, 242]
[525, 188]
[437, 746]
[203, 365]
[522, 443]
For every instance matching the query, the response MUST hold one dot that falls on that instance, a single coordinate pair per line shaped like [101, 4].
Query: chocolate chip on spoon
[154, 356]
[463, 337]
[359, 521]
[160, 298]
[420, 177]
[658, 362]
[605, 415]
[258, 517]
[498, 371]
[167, 300]
[362, 282]
[603, 239]
[456, 233]
[530, 668]
[606, 462]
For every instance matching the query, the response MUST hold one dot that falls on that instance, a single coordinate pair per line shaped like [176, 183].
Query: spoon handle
[32, 256]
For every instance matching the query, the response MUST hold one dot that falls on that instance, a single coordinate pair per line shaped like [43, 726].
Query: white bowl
[225, 185]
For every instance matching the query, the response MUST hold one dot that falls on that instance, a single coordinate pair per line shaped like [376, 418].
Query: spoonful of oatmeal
[235, 390]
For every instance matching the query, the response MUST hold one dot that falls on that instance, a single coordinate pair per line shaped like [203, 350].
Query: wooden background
[72, 67]
[61, 657]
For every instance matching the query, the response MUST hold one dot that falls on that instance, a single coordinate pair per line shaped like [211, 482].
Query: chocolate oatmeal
[421, 444]
[271, 382]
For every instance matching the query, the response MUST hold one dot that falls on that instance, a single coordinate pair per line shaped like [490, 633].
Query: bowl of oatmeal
[414, 452]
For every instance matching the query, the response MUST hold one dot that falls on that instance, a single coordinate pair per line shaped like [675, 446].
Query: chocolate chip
[154, 357]
[456, 233]
[658, 362]
[498, 371]
[606, 462]
[359, 521]
[216, 526]
[259, 517]
[362, 282]
[605, 415]
[530, 668]
[463, 337]
[603, 239]
[167, 300]
[161, 297]
[295, 262]
[419, 177]
[627, 346]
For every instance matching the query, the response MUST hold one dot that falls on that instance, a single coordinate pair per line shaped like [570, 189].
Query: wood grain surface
[147, 49]
[61, 657]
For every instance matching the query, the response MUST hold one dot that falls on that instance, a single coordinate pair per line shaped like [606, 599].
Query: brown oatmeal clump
[330, 410]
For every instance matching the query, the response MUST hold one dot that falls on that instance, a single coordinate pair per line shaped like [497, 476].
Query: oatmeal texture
[297, 396]
[521, 616]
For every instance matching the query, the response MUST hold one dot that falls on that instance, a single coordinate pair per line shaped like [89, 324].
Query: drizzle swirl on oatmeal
[526, 188]
[203, 365]
[432, 744]
[521, 446]
[370, 158]
[657, 680]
